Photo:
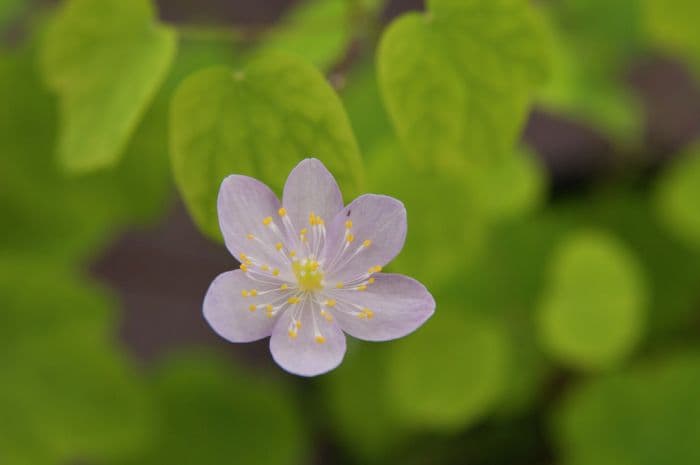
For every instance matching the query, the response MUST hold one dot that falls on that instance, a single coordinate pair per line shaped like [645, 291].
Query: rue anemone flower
[311, 270]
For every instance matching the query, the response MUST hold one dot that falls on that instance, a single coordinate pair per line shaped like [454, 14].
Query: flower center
[309, 275]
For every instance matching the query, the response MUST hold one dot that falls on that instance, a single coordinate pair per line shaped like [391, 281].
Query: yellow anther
[303, 231]
[293, 300]
[250, 236]
[370, 280]
[276, 272]
[369, 313]
[282, 211]
[350, 237]
[320, 221]
[326, 315]
[245, 293]
[253, 292]
[244, 257]
[265, 268]
[366, 243]
[313, 265]
[348, 224]
[267, 220]
[279, 246]
[248, 262]
[320, 339]
[312, 219]
[339, 286]
[244, 267]
[292, 333]
[298, 324]
[375, 269]
[283, 287]
[268, 308]
[330, 303]
[252, 307]
[362, 287]
[292, 253]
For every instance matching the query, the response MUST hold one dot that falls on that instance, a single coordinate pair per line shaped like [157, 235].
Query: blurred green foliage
[592, 310]
[84, 46]
[647, 414]
[574, 310]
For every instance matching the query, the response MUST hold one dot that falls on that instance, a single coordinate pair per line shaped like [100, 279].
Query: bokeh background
[566, 272]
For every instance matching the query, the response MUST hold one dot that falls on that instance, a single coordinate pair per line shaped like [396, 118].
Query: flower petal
[303, 355]
[398, 305]
[310, 187]
[228, 312]
[376, 218]
[243, 204]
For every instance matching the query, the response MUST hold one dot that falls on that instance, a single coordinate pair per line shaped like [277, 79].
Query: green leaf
[211, 412]
[592, 310]
[259, 121]
[106, 60]
[457, 81]
[451, 372]
[677, 197]
[672, 26]
[68, 393]
[644, 416]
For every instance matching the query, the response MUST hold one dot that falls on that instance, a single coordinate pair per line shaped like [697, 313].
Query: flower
[311, 270]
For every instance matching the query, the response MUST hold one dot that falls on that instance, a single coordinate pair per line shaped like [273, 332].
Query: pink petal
[399, 305]
[228, 312]
[303, 355]
[243, 204]
[311, 188]
[376, 218]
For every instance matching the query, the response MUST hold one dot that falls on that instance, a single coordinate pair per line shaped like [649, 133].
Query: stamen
[326, 315]
[245, 293]
[267, 220]
[320, 339]
[293, 300]
[348, 224]
[366, 243]
[253, 307]
[250, 236]
[366, 313]
[330, 303]
[282, 211]
[350, 237]
[253, 292]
